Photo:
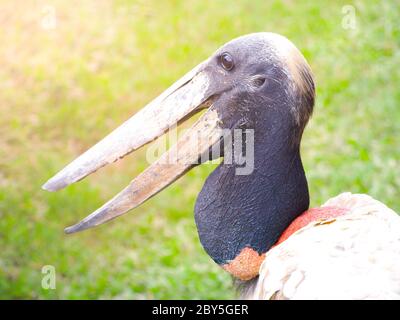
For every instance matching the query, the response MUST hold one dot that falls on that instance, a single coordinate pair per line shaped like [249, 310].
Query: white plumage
[355, 256]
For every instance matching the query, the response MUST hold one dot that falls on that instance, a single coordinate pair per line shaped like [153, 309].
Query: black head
[258, 71]
[267, 87]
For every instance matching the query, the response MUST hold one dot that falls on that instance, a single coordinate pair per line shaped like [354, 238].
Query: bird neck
[240, 217]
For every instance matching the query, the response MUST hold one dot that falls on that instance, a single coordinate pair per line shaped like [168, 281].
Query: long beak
[179, 100]
[186, 96]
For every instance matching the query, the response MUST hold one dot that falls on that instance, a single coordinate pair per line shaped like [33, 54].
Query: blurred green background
[64, 84]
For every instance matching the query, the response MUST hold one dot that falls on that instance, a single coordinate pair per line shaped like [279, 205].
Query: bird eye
[226, 61]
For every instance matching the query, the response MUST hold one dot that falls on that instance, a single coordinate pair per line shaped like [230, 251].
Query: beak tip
[52, 185]
[80, 226]
[67, 230]
[47, 187]
[72, 229]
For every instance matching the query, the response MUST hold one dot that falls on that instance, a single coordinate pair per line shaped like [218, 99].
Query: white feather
[355, 256]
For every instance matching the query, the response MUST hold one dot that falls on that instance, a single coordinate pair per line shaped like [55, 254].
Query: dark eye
[226, 61]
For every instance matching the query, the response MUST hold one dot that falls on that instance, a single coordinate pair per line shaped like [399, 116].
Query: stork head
[257, 82]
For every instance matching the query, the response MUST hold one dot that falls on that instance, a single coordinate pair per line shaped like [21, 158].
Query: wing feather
[355, 256]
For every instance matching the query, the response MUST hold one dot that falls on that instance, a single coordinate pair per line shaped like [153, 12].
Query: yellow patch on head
[300, 74]
[293, 58]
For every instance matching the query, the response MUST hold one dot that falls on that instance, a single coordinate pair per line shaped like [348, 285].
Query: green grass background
[63, 89]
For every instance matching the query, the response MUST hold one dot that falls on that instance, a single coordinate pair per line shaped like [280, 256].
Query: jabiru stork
[257, 226]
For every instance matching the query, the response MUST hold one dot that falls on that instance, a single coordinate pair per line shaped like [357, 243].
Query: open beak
[185, 97]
